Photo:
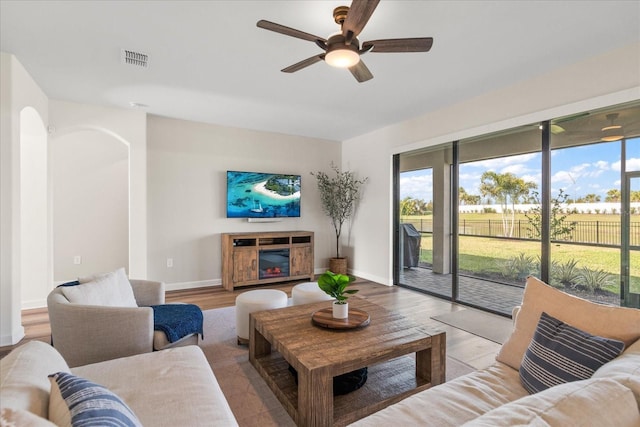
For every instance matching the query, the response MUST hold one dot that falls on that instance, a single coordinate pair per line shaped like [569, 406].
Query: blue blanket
[177, 320]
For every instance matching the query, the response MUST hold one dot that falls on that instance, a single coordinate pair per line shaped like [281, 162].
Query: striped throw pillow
[78, 402]
[560, 353]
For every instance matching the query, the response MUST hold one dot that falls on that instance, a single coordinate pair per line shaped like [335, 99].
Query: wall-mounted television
[262, 195]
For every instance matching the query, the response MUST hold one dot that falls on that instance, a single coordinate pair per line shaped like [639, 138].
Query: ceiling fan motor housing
[340, 54]
[337, 41]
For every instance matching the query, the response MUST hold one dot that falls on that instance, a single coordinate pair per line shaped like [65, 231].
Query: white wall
[90, 179]
[74, 123]
[18, 91]
[598, 82]
[187, 164]
[35, 272]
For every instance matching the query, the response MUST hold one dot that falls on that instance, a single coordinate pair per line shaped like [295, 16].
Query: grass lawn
[488, 254]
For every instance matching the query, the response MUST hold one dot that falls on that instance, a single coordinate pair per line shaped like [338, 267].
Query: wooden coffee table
[386, 346]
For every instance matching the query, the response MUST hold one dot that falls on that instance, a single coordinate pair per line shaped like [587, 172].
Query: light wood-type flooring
[463, 346]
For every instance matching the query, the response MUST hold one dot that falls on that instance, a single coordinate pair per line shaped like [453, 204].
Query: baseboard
[27, 305]
[13, 339]
[371, 278]
[192, 285]
[359, 274]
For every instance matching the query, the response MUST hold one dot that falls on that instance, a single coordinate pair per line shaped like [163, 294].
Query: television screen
[262, 195]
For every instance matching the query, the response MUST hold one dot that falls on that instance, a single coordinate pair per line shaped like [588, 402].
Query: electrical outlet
[77, 260]
[169, 262]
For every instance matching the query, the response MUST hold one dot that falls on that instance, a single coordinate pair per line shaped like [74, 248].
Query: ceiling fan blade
[361, 72]
[357, 17]
[304, 63]
[272, 26]
[419, 44]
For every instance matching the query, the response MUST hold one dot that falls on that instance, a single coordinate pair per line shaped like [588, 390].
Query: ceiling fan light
[612, 133]
[342, 58]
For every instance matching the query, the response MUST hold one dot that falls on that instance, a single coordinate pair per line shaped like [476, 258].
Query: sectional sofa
[497, 396]
[173, 387]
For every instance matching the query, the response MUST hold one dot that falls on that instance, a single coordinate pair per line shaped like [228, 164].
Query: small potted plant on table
[335, 285]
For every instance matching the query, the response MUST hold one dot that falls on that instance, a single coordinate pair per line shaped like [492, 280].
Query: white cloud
[563, 177]
[632, 164]
[469, 176]
[418, 187]
[579, 172]
[577, 169]
[517, 169]
[532, 178]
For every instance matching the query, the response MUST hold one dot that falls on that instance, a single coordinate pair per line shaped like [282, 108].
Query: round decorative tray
[324, 318]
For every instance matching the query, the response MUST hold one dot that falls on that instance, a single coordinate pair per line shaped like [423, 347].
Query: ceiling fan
[343, 49]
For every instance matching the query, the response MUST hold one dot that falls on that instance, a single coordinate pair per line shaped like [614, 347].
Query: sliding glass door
[423, 255]
[498, 180]
[559, 200]
[593, 225]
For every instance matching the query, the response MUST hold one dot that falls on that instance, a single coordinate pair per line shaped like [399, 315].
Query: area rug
[486, 325]
[251, 400]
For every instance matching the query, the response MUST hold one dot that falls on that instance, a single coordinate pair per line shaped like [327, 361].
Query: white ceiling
[210, 63]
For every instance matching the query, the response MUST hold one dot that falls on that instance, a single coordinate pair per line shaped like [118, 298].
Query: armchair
[86, 334]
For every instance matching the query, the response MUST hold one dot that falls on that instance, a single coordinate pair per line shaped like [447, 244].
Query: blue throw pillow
[72, 283]
[560, 353]
[87, 404]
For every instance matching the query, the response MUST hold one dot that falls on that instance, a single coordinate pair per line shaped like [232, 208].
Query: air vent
[132, 57]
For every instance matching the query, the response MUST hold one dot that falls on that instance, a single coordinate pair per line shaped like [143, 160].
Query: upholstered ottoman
[258, 300]
[308, 292]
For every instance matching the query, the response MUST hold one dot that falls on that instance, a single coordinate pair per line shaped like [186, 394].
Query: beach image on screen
[262, 195]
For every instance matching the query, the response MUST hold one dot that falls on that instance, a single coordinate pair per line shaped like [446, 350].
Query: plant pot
[340, 311]
[338, 265]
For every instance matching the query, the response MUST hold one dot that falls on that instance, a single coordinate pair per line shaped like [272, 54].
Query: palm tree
[507, 189]
[466, 198]
[613, 195]
[591, 198]
[408, 206]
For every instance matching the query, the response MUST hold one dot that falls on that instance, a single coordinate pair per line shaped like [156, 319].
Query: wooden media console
[269, 257]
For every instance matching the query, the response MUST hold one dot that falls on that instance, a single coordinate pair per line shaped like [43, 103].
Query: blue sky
[578, 171]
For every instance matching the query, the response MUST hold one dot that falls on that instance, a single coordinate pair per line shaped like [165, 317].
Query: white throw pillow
[111, 289]
[593, 402]
[23, 376]
[625, 369]
[620, 323]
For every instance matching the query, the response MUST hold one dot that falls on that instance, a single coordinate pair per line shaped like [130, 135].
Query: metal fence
[605, 233]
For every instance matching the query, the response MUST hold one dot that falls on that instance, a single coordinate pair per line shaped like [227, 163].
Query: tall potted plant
[339, 195]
